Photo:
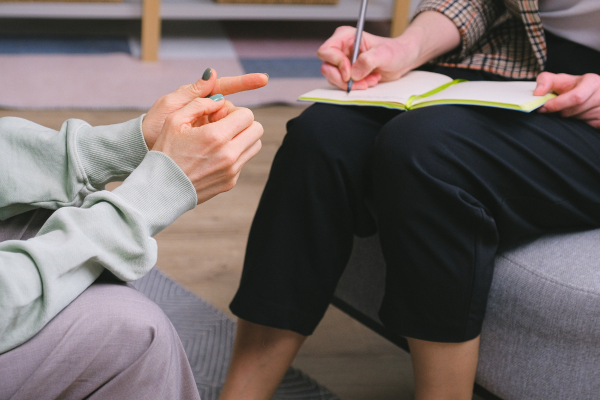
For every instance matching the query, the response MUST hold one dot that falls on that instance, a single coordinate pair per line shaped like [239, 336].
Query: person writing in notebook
[444, 186]
[67, 330]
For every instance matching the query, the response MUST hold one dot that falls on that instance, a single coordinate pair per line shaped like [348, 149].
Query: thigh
[532, 173]
[110, 342]
[312, 205]
[452, 184]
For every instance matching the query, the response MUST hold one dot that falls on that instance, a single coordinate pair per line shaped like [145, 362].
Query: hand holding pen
[377, 58]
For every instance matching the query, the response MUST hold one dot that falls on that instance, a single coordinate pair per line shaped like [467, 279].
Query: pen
[359, 30]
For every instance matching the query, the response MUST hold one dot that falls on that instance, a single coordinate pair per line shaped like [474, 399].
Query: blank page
[518, 93]
[399, 91]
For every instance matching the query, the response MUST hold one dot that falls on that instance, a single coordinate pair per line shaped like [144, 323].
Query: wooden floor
[204, 249]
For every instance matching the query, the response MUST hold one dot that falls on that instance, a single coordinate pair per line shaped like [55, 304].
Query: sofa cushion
[541, 334]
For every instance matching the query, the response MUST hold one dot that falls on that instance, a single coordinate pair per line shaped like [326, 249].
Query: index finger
[240, 83]
[573, 98]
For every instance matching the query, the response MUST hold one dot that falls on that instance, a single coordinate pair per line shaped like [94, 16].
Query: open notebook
[421, 89]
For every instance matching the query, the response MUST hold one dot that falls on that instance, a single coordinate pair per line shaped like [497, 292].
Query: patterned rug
[79, 65]
[207, 336]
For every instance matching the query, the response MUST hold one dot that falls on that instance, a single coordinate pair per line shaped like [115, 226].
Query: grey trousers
[110, 343]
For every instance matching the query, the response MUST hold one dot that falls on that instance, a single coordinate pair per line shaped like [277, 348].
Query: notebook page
[399, 91]
[517, 93]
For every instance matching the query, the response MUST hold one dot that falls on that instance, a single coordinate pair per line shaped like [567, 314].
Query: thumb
[545, 81]
[201, 88]
[365, 64]
[197, 108]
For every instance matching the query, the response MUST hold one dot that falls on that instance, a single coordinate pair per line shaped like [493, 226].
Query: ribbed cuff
[159, 190]
[110, 153]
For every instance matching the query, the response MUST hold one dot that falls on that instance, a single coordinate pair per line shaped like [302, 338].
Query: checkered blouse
[504, 37]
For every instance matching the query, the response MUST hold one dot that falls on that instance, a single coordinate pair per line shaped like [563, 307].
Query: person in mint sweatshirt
[69, 327]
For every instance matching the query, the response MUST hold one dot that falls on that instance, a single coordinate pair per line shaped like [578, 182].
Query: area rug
[100, 69]
[207, 336]
[95, 65]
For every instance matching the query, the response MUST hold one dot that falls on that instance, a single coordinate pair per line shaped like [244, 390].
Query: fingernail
[266, 74]
[207, 74]
[217, 97]
[543, 109]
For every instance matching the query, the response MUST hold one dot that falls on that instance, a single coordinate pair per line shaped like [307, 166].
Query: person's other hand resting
[578, 96]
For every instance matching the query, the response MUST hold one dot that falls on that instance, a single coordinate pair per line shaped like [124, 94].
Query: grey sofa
[541, 335]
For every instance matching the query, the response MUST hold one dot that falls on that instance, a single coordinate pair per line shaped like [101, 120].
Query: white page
[399, 91]
[518, 93]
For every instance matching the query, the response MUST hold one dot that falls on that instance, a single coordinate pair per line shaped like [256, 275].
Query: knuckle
[163, 101]
[230, 184]
[259, 128]
[545, 75]
[199, 101]
[321, 52]
[369, 60]
[171, 120]
[247, 114]
[195, 87]
[578, 97]
[228, 160]
[592, 79]
[216, 138]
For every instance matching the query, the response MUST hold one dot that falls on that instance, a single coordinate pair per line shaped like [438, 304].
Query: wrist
[430, 35]
[110, 153]
[146, 129]
[409, 46]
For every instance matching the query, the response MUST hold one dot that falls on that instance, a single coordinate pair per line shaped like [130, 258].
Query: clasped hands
[209, 140]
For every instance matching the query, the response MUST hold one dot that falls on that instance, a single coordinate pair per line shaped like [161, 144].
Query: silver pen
[359, 30]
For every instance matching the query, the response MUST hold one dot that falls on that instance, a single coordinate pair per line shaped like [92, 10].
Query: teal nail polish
[266, 74]
[207, 74]
[217, 97]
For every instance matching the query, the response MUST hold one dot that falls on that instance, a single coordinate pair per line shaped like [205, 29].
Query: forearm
[111, 230]
[472, 19]
[44, 168]
[430, 35]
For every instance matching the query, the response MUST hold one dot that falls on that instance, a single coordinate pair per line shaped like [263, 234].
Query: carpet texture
[63, 70]
[207, 336]
[95, 65]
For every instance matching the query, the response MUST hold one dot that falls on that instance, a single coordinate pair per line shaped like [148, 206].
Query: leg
[451, 185]
[312, 205]
[301, 237]
[261, 356]
[110, 343]
[444, 370]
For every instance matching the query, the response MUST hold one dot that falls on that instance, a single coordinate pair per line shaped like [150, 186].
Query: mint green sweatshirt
[92, 229]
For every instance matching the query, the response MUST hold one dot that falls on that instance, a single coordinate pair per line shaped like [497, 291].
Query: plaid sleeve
[473, 18]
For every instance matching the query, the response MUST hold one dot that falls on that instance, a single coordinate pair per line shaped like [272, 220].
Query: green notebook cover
[422, 89]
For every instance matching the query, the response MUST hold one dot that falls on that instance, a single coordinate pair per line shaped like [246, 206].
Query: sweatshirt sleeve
[45, 168]
[110, 230]
[473, 18]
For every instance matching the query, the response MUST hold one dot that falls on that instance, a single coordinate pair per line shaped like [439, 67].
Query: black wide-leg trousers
[446, 187]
